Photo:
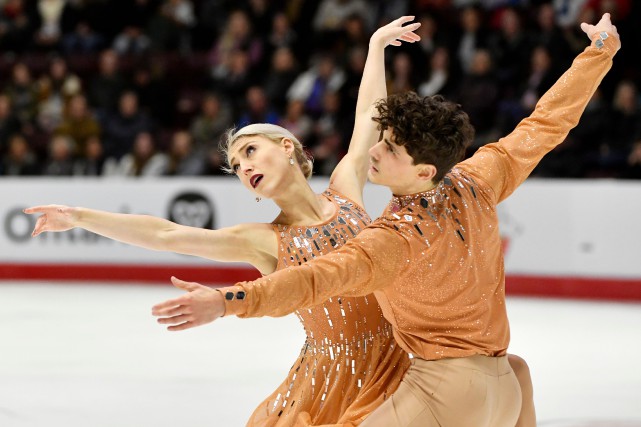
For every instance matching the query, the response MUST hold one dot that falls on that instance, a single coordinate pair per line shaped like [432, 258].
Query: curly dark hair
[433, 130]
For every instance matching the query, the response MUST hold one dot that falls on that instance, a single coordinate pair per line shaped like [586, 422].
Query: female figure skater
[349, 362]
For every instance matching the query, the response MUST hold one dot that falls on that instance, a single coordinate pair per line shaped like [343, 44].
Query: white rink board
[555, 227]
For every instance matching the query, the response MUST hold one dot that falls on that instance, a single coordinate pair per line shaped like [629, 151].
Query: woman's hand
[53, 218]
[395, 33]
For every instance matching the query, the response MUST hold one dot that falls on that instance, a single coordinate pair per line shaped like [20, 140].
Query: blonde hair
[275, 134]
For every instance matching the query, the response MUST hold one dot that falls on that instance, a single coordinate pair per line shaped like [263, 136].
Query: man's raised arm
[504, 165]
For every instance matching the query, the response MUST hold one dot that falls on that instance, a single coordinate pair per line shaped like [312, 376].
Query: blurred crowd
[148, 87]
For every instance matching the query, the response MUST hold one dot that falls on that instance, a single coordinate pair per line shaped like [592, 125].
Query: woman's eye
[249, 150]
[235, 168]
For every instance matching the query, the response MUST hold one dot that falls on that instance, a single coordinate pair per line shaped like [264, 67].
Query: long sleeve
[368, 262]
[504, 165]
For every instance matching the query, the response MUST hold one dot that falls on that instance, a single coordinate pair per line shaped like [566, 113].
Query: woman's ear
[288, 145]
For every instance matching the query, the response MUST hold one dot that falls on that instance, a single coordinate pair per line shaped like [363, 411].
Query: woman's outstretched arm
[252, 243]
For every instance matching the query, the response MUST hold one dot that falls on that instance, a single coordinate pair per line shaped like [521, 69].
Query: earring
[257, 199]
[291, 161]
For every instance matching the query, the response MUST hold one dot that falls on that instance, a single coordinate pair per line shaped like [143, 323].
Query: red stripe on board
[126, 273]
[517, 285]
[574, 287]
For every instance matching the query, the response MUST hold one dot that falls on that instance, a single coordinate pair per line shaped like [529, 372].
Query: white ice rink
[87, 355]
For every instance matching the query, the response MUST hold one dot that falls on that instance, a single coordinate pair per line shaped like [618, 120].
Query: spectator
[15, 26]
[479, 96]
[632, 169]
[331, 14]
[625, 126]
[511, 49]
[296, 121]
[282, 34]
[212, 18]
[257, 109]
[311, 86]
[131, 41]
[23, 94]
[82, 40]
[215, 163]
[91, 162]
[355, 32]
[331, 135]
[237, 81]
[619, 9]
[170, 28]
[440, 78]
[54, 91]
[184, 160]
[212, 122]
[472, 36]
[143, 161]
[280, 77]
[353, 75]
[550, 35]
[541, 77]
[431, 38]
[51, 18]
[19, 160]
[79, 123]
[9, 125]
[236, 37]
[567, 12]
[106, 87]
[155, 96]
[579, 155]
[123, 126]
[60, 161]
[401, 76]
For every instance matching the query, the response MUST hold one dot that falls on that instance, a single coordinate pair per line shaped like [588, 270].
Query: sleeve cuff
[605, 41]
[235, 299]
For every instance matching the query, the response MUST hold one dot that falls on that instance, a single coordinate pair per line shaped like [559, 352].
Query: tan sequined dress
[350, 362]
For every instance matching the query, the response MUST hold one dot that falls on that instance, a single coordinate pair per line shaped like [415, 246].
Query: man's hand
[199, 306]
[604, 25]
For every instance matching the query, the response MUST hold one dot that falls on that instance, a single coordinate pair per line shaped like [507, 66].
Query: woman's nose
[246, 168]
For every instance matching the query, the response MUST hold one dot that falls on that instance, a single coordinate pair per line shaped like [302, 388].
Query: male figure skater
[433, 259]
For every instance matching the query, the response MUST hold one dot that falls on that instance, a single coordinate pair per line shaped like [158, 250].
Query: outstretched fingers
[182, 326]
[175, 320]
[35, 209]
[604, 24]
[396, 32]
[165, 308]
[187, 286]
[41, 222]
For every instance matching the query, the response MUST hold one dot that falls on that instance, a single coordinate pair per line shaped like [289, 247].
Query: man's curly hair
[433, 130]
